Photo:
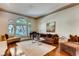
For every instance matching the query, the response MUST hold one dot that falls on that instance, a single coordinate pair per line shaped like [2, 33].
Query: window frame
[15, 24]
[13, 30]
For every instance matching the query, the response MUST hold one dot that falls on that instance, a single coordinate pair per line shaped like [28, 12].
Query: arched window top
[11, 21]
[21, 21]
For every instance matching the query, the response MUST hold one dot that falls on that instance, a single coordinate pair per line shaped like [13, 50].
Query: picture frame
[51, 26]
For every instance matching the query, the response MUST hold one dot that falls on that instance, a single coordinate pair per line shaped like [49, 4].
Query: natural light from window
[19, 27]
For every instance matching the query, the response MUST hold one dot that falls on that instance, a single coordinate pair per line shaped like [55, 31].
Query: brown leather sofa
[74, 38]
[50, 38]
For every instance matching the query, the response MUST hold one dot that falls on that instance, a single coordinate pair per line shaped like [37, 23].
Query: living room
[39, 29]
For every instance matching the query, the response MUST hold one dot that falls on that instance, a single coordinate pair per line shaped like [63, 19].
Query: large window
[21, 30]
[11, 29]
[20, 27]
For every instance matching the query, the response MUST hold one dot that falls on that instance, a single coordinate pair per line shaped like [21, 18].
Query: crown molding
[58, 10]
[7, 11]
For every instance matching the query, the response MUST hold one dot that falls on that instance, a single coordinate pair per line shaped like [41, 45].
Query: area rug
[34, 48]
[3, 47]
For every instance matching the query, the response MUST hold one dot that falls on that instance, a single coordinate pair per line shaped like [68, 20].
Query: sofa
[50, 38]
[73, 38]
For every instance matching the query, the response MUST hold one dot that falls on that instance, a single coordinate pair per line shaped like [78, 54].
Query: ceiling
[32, 9]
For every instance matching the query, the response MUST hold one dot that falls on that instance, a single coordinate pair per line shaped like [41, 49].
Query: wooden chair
[6, 36]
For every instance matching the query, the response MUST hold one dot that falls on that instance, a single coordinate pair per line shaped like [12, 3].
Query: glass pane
[21, 30]
[11, 29]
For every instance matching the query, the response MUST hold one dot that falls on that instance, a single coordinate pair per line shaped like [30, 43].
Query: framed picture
[50, 26]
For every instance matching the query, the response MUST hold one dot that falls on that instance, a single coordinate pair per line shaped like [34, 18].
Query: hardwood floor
[55, 52]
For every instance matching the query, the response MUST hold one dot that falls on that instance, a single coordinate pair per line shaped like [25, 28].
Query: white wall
[4, 17]
[3, 22]
[67, 21]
